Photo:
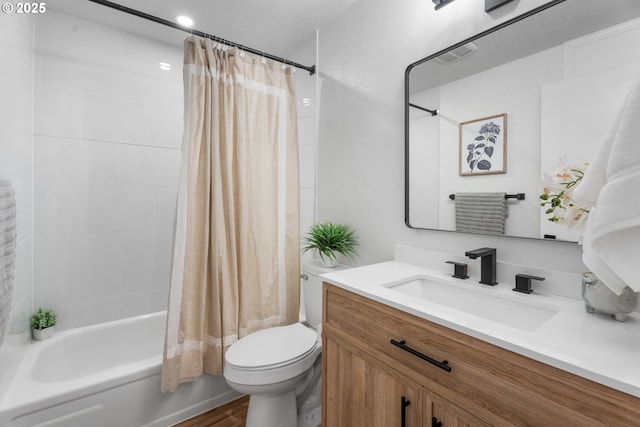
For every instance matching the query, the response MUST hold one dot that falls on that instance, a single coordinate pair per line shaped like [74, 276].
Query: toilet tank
[311, 292]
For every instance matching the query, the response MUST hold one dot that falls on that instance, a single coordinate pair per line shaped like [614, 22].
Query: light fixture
[441, 3]
[165, 66]
[185, 21]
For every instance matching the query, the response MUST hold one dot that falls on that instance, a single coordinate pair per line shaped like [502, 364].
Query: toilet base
[310, 400]
[269, 410]
[311, 419]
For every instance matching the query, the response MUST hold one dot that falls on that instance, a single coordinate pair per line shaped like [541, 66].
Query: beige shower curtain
[236, 250]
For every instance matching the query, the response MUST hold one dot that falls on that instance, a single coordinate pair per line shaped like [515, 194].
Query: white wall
[16, 151]
[362, 58]
[108, 129]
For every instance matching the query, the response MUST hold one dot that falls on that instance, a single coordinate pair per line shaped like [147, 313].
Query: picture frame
[483, 146]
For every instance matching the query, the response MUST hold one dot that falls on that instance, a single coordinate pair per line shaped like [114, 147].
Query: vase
[43, 334]
[328, 262]
[598, 297]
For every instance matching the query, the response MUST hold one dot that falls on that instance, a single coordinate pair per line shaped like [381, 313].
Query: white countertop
[593, 346]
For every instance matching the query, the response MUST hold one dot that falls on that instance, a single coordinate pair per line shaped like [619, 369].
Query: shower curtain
[236, 250]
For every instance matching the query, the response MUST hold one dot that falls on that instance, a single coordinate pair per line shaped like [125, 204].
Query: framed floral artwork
[483, 146]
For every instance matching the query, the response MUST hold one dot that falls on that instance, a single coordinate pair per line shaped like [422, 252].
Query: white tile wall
[116, 120]
[105, 168]
[307, 96]
[70, 106]
[108, 126]
[307, 155]
[88, 113]
[16, 152]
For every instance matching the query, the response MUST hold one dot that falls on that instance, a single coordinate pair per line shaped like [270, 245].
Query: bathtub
[103, 375]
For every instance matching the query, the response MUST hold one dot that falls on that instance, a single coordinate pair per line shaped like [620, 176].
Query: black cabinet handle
[442, 365]
[435, 422]
[403, 414]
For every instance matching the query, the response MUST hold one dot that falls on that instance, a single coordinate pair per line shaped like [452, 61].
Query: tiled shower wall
[108, 128]
[307, 105]
[16, 153]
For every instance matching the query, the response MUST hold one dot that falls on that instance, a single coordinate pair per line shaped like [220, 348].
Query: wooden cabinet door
[360, 393]
[442, 413]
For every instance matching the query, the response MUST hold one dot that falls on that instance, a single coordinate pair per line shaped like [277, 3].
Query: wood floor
[232, 414]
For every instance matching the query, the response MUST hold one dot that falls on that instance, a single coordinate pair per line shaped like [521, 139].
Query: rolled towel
[7, 250]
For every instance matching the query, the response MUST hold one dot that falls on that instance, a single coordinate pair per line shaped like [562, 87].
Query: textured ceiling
[273, 26]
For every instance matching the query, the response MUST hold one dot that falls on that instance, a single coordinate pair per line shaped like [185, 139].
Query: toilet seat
[272, 356]
[272, 348]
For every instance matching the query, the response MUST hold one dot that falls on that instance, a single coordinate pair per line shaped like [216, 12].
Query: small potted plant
[329, 240]
[42, 324]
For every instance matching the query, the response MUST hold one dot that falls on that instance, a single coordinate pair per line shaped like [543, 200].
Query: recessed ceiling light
[185, 21]
[165, 66]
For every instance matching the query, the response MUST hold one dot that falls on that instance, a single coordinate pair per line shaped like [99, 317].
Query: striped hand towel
[483, 213]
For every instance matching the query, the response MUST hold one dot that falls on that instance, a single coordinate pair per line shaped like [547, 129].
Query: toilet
[280, 368]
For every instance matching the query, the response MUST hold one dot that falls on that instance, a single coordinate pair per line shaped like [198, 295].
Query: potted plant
[330, 239]
[42, 324]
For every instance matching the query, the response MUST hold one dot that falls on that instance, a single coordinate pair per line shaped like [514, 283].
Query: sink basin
[485, 304]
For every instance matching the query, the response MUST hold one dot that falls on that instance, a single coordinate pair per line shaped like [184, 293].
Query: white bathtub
[103, 375]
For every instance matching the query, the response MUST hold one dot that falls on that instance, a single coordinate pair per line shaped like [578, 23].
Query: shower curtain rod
[311, 69]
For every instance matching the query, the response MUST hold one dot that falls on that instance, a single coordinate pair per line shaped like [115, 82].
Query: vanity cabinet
[374, 355]
[445, 414]
[362, 393]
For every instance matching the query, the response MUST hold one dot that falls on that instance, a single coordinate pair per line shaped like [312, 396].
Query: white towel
[7, 250]
[612, 184]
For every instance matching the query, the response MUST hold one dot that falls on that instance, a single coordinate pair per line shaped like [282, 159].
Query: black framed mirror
[551, 80]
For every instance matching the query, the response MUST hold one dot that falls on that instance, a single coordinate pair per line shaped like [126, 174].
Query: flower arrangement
[557, 195]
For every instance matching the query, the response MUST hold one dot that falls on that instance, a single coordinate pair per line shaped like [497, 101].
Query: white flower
[557, 195]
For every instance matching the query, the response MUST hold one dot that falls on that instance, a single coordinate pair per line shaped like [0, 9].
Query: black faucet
[487, 264]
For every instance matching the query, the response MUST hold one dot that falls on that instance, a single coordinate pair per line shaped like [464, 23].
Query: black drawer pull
[442, 365]
[403, 405]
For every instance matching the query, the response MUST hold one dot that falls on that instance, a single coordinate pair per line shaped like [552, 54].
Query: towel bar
[518, 196]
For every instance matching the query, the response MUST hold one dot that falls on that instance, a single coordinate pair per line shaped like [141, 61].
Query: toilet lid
[272, 346]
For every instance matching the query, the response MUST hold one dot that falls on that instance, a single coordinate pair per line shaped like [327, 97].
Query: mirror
[549, 81]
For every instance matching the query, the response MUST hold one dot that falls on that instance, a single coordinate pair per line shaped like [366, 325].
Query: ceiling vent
[457, 53]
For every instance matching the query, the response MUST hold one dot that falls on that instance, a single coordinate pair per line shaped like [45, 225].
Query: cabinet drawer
[497, 385]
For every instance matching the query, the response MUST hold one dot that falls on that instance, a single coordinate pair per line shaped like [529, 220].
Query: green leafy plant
[43, 319]
[330, 240]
